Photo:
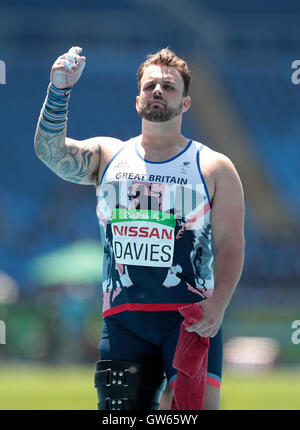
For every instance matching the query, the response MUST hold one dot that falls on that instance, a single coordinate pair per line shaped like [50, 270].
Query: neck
[165, 134]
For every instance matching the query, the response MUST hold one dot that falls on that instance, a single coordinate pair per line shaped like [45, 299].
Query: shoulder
[219, 172]
[216, 163]
[109, 147]
[110, 142]
[215, 159]
[228, 186]
[101, 149]
[96, 146]
[100, 144]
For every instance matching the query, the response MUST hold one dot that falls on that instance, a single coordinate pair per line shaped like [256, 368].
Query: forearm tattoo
[67, 161]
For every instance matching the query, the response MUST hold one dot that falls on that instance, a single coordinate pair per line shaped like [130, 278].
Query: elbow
[235, 244]
[36, 141]
[40, 148]
[37, 148]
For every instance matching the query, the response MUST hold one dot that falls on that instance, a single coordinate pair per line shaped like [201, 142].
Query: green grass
[63, 388]
[270, 390]
[66, 388]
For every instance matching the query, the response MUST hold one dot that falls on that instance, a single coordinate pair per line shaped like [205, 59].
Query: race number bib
[143, 237]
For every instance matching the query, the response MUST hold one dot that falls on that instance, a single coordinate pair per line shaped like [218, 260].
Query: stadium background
[244, 104]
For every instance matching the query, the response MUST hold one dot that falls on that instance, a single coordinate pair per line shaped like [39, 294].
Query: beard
[161, 114]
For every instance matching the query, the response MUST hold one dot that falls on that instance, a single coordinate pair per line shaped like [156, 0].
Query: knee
[127, 385]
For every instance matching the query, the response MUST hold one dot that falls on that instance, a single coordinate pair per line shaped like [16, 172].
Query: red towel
[190, 360]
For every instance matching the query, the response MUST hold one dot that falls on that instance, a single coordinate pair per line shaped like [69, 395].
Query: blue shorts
[130, 333]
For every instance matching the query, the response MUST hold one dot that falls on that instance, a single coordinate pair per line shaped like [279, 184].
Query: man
[164, 203]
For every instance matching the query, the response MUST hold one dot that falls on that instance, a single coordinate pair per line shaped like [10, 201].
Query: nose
[157, 90]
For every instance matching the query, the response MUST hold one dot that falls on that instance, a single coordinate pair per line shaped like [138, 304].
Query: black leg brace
[126, 385]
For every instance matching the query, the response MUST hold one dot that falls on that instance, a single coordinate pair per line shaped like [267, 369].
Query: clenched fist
[68, 68]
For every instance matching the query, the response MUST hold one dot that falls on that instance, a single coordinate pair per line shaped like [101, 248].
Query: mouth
[157, 103]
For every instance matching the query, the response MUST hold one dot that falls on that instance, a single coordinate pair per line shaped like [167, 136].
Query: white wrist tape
[70, 61]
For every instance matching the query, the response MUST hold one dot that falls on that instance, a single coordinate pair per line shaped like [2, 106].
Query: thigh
[215, 357]
[215, 360]
[119, 343]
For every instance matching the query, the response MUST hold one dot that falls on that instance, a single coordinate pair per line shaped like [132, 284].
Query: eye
[149, 86]
[168, 87]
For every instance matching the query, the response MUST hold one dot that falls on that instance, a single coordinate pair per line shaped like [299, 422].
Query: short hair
[165, 57]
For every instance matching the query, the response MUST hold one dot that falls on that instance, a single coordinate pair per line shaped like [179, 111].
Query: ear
[186, 103]
[137, 102]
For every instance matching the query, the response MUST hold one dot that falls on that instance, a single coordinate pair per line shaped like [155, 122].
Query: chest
[128, 166]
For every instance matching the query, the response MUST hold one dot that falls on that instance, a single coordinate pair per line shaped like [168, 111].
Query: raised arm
[72, 160]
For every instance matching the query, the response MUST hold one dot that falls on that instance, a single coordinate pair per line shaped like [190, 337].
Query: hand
[68, 68]
[211, 320]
